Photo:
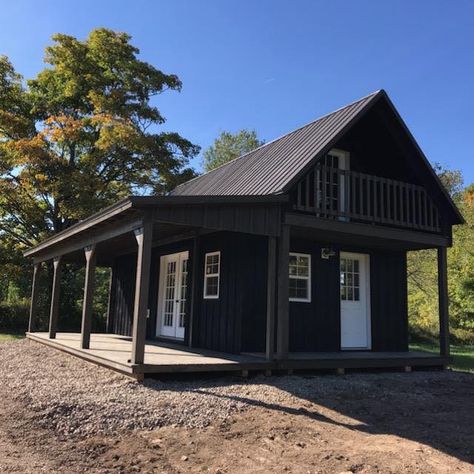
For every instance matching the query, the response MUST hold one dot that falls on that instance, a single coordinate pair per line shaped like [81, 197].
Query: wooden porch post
[34, 297]
[443, 301]
[192, 302]
[283, 323]
[88, 297]
[53, 315]
[144, 237]
[271, 291]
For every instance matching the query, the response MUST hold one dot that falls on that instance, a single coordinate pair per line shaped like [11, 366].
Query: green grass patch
[6, 337]
[463, 355]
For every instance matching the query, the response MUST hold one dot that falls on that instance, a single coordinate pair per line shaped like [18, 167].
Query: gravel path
[64, 415]
[78, 398]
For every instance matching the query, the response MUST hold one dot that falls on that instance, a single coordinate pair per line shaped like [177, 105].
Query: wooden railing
[348, 195]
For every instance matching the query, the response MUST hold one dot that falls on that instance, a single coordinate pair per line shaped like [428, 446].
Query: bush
[14, 316]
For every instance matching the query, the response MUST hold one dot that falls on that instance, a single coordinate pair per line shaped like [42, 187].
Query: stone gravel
[77, 398]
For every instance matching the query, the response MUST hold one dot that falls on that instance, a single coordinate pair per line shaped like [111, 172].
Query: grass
[463, 355]
[6, 337]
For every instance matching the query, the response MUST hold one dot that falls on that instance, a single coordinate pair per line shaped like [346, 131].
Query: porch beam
[90, 254]
[443, 301]
[144, 236]
[96, 236]
[271, 293]
[283, 325]
[410, 238]
[56, 289]
[32, 322]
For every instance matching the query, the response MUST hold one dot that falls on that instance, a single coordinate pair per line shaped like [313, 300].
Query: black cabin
[299, 246]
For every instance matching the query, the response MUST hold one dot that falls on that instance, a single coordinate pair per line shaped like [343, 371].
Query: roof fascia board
[85, 224]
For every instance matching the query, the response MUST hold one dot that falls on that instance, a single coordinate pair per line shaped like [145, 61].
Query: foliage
[422, 271]
[80, 135]
[229, 146]
[14, 316]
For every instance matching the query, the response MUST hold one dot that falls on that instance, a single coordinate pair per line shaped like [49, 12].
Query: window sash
[212, 279]
[299, 277]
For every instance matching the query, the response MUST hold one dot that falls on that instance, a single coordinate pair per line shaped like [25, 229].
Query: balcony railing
[334, 193]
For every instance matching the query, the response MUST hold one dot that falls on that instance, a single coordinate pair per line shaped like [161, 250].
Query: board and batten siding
[236, 321]
[316, 326]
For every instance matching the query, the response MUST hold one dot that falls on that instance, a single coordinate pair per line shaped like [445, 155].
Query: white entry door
[172, 295]
[355, 301]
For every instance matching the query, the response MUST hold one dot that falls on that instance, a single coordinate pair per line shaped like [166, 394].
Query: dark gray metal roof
[271, 168]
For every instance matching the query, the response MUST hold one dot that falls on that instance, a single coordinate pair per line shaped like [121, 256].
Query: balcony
[333, 193]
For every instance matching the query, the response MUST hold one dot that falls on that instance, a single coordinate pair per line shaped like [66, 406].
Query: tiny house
[294, 254]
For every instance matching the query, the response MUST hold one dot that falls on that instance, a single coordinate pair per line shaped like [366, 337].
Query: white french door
[355, 301]
[172, 295]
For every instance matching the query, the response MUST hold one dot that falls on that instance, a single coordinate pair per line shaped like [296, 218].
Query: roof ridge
[283, 136]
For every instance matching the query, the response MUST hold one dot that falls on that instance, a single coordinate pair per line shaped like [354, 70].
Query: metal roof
[271, 168]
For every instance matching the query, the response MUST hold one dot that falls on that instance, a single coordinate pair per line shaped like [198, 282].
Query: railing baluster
[298, 196]
[402, 204]
[389, 201]
[336, 193]
[323, 191]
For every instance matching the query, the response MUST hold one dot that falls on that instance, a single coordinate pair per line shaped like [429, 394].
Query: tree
[422, 270]
[229, 146]
[82, 134]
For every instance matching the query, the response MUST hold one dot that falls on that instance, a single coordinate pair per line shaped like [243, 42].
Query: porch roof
[127, 215]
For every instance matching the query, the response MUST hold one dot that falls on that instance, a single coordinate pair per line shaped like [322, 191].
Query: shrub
[14, 316]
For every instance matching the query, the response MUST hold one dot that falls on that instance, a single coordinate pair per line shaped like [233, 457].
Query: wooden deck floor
[113, 351]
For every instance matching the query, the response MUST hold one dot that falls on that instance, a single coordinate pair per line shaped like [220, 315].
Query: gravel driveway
[73, 399]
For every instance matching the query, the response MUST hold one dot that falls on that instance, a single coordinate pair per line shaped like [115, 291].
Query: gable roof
[276, 166]
[271, 167]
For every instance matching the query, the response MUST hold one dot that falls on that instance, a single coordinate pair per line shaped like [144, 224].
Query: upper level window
[212, 262]
[300, 277]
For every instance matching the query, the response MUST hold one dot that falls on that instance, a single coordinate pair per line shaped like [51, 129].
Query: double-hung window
[212, 263]
[300, 277]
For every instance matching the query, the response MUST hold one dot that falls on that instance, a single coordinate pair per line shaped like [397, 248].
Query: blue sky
[273, 65]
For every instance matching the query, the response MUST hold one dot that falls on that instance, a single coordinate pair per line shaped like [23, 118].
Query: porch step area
[113, 351]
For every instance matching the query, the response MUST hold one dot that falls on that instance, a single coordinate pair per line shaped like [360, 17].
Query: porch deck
[113, 351]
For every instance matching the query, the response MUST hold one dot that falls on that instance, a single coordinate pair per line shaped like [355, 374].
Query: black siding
[236, 321]
[122, 295]
[315, 326]
[389, 301]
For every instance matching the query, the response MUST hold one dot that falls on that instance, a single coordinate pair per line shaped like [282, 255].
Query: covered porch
[136, 226]
[113, 351]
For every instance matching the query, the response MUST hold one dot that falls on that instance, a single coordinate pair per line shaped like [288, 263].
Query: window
[300, 277]
[350, 279]
[211, 275]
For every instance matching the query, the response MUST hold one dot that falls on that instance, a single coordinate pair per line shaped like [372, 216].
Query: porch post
[271, 290]
[88, 297]
[283, 325]
[53, 315]
[34, 297]
[144, 237]
[443, 301]
[192, 302]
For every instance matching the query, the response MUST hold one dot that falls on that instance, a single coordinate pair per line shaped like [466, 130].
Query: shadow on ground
[434, 408]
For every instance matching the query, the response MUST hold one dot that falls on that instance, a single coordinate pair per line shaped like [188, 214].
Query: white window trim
[206, 276]
[308, 278]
